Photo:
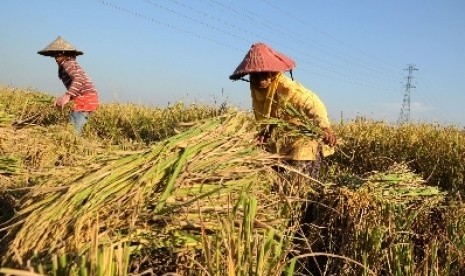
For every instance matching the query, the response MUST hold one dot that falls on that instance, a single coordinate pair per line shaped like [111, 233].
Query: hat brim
[54, 53]
[237, 76]
[262, 58]
[244, 73]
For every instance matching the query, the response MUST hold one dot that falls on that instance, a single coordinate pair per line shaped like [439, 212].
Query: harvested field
[195, 195]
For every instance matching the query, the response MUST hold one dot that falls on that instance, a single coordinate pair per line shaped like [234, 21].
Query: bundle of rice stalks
[397, 185]
[32, 154]
[387, 221]
[293, 124]
[5, 118]
[436, 152]
[120, 122]
[29, 107]
[161, 197]
[9, 165]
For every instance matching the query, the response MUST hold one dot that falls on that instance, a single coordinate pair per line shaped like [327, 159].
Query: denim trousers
[79, 119]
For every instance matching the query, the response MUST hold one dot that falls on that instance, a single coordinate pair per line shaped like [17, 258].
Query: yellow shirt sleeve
[272, 103]
[303, 99]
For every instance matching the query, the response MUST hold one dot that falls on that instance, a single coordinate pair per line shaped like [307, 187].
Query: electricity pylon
[404, 116]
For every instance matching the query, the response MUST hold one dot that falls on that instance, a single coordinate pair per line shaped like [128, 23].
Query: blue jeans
[79, 119]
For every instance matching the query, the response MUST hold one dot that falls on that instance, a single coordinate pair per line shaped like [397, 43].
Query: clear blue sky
[352, 53]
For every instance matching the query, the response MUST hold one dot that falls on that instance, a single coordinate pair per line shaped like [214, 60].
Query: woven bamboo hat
[59, 46]
[262, 58]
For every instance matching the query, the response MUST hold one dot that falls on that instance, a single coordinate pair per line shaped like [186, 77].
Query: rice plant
[187, 190]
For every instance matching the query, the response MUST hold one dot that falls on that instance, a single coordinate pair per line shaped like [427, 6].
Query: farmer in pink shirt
[80, 89]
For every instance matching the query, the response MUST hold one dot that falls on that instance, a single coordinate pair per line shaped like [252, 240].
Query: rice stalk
[166, 185]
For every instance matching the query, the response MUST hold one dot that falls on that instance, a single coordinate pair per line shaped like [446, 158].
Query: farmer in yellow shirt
[274, 95]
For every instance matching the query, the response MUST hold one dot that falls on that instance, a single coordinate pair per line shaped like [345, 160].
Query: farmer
[273, 95]
[81, 90]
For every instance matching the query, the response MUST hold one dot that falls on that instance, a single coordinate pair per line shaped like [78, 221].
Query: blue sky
[352, 53]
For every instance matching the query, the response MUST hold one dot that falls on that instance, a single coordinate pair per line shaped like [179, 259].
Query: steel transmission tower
[405, 111]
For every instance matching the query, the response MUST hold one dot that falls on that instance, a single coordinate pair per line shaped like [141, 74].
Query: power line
[426, 91]
[258, 20]
[194, 20]
[327, 49]
[153, 20]
[336, 75]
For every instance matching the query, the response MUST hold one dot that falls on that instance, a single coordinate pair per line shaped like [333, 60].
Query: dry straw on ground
[163, 197]
[199, 195]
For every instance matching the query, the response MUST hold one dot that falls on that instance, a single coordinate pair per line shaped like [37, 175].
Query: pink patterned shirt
[79, 85]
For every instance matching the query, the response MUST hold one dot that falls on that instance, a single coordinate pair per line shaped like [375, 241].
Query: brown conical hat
[59, 45]
[262, 58]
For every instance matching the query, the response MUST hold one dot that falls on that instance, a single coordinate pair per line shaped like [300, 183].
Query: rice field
[186, 190]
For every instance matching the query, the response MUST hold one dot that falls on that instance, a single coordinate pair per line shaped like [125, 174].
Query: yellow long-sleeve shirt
[271, 103]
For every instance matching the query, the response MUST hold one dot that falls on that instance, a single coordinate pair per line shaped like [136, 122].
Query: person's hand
[260, 140]
[329, 137]
[62, 101]
[263, 136]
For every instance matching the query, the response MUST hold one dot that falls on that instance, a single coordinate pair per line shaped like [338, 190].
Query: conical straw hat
[262, 58]
[59, 45]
